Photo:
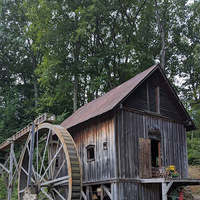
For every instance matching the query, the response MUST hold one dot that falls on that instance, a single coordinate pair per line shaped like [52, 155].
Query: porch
[168, 184]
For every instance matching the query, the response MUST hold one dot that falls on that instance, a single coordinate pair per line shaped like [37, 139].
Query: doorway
[149, 157]
[155, 156]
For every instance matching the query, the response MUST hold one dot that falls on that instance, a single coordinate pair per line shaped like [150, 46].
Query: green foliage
[55, 56]
[193, 151]
[3, 190]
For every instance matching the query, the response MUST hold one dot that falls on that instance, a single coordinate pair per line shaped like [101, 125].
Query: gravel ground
[194, 172]
[196, 197]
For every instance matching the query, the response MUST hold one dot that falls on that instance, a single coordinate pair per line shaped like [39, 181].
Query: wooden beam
[169, 186]
[11, 171]
[31, 154]
[89, 192]
[2, 166]
[107, 191]
[164, 194]
[102, 192]
[83, 195]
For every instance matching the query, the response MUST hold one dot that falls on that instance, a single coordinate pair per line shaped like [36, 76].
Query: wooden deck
[181, 181]
[167, 184]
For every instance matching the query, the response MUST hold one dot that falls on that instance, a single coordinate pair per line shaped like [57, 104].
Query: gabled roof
[112, 99]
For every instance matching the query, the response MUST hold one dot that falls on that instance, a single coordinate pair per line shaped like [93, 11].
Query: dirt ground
[196, 197]
[194, 172]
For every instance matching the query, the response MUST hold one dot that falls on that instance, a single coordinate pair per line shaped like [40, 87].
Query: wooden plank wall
[135, 191]
[131, 126]
[96, 132]
[149, 192]
[168, 104]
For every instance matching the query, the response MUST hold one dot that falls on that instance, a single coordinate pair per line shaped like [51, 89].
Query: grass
[194, 172]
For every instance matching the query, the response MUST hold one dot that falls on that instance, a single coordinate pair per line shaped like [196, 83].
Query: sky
[190, 1]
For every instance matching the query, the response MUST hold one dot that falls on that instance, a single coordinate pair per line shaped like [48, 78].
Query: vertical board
[135, 191]
[145, 168]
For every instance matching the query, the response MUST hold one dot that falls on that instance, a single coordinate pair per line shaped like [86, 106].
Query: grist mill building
[126, 135]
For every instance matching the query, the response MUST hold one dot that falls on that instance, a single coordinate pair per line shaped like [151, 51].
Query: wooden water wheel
[50, 165]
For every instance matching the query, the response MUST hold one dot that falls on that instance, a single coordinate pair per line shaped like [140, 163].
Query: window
[153, 98]
[105, 147]
[90, 153]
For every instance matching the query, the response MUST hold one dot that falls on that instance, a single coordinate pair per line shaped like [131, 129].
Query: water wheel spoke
[56, 182]
[45, 149]
[27, 174]
[33, 170]
[40, 196]
[53, 194]
[21, 191]
[50, 154]
[60, 168]
[52, 160]
[40, 177]
[61, 183]
[58, 193]
[47, 195]
[54, 164]
[44, 168]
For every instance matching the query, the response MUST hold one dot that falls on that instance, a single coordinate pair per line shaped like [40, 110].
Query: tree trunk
[162, 53]
[35, 80]
[75, 92]
[161, 25]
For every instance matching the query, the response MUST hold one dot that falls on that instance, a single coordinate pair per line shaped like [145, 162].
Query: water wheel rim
[71, 155]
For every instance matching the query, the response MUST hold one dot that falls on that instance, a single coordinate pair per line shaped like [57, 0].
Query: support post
[89, 192]
[102, 192]
[164, 193]
[31, 154]
[107, 191]
[114, 192]
[83, 195]
[10, 171]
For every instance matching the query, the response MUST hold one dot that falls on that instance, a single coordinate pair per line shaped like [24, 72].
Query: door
[145, 165]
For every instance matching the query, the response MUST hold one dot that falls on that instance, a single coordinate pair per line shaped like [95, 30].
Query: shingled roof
[112, 99]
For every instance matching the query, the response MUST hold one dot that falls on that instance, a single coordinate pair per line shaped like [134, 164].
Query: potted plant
[174, 174]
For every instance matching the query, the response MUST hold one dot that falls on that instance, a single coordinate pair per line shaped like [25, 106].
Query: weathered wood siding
[135, 191]
[138, 99]
[168, 106]
[96, 132]
[131, 126]
[145, 158]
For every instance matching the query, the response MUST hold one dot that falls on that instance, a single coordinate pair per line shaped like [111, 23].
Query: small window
[90, 153]
[153, 94]
[105, 147]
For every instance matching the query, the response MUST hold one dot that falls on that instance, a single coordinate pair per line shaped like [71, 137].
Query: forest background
[56, 56]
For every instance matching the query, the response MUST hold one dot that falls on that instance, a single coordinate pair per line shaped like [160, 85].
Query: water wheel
[49, 166]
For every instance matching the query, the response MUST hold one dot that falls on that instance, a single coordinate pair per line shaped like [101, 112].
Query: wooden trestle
[9, 169]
